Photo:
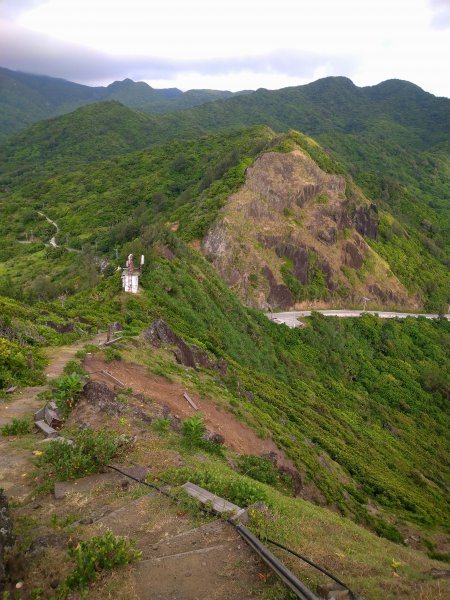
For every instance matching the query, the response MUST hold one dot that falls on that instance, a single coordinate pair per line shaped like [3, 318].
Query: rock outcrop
[160, 334]
[291, 235]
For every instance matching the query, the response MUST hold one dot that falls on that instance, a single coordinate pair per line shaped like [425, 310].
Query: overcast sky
[229, 44]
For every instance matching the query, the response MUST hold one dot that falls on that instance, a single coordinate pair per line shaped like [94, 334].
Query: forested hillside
[27, 98]
[392, 138]
[359, 405]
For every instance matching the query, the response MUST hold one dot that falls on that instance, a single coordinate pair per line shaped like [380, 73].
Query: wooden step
[40, 414]
[219, 505]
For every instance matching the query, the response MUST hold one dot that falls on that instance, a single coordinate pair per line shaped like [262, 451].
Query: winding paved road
[52, 241]
[291, 318]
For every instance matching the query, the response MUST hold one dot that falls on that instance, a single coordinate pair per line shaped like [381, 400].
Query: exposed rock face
[6, 534]
[60, 327]
[292, 222]
[353, 258]
[279, 294]
[159, 333]
[299, 256]
[366, 221]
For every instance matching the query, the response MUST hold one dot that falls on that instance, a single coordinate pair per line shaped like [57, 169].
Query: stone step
[46, 429]
[52, 418]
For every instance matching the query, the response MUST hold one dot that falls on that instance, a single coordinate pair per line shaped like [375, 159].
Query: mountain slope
[187, 182]
[94, 132]
[26, 98]
[392, 137]
[306, 239]
[359, 405]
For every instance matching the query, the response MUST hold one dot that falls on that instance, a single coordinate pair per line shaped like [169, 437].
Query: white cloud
[228, 44]
[441, 14]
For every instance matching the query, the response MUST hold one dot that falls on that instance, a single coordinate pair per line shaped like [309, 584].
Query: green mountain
[231, 218]
[398, 161]
[27, 98]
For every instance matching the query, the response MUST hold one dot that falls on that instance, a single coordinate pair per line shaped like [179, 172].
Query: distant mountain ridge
[26, 98]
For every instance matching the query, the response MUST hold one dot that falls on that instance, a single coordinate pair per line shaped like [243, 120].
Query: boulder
[60, 327]
[296, 476]
[101, 397]
[213, 437]
[51, 540]
[160, 333]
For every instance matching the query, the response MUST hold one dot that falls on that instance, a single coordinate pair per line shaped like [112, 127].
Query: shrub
[74, 367]
[91, 451]
[16, 427]
[97, 554]
[193, 430]
[111, 354]
[68, 389]
[387, 531]
[161, 425]
[261, 469]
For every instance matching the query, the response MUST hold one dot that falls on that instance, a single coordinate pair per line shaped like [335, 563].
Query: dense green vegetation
[392, 138]
[25, 330]
[362, 401]
[182, 182]
[358, 405]
[91, 451]
[91, 557]
[112, 202]
[25, 98]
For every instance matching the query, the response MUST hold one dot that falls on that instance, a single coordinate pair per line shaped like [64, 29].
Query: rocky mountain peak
[294, 233]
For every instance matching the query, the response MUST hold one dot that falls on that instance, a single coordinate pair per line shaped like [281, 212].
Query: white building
[130, 276]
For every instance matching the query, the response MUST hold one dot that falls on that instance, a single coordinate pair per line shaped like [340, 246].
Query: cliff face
[290, 235]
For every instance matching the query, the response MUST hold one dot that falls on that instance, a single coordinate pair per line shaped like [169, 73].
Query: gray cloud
[32, 52]
[441, 17]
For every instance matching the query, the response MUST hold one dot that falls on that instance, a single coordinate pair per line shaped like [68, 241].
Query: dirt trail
[180, 561]
[60, 356]
[238, 436]
[16, 462]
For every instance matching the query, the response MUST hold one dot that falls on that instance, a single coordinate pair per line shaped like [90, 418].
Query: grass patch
[221, 480]
[100, 553]
[263, 470]
[92, 450]
[16, 427]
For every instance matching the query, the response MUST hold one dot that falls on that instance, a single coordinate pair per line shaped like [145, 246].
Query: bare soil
[238, 436]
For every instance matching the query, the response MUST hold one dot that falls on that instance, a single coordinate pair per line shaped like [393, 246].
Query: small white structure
[130, 275]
